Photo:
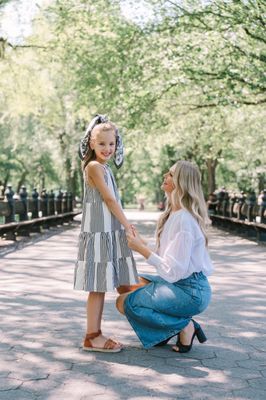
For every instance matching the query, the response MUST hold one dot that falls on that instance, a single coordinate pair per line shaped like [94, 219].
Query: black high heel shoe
[200, 336]
[164, 342]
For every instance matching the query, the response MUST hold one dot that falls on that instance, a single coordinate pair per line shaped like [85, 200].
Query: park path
[43, 320]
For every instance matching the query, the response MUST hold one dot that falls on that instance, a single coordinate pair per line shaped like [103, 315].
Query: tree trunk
[68, 174]
[6, 181]
[42, 181]
[72, 178]
[211, 168]
[22, 180]
[261, 181]
[80, 174]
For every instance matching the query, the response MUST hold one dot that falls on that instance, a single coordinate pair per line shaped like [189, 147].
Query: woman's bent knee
[120, 302]
[123, 289]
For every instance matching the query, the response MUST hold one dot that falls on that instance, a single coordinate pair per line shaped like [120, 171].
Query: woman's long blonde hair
[188, 195]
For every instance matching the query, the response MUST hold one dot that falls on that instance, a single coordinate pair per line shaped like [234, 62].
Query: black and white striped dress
[104, 258]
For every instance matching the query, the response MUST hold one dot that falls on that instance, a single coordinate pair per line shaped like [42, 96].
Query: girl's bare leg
[94, 309]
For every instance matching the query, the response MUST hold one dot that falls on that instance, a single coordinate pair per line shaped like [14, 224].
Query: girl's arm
[94, 172]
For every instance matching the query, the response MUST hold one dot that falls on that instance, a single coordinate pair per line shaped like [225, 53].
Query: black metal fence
[23, 214]
[242, 213]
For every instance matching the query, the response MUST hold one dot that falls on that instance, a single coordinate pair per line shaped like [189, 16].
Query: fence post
[9, 193]
[44, 203]
[263, 208]
[24, 200]
[69, 202]
[35, 204]
[58, 202]
[220, 198]
[251, 201]
[241, 202]
[225, 202]
[2, 194]
[51, 207]
[232, 202]
[64, 203]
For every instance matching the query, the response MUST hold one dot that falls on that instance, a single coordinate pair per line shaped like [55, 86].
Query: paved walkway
[43, 320]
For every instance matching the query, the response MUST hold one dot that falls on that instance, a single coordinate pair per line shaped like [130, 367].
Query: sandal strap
[110, 344]
[93, 335]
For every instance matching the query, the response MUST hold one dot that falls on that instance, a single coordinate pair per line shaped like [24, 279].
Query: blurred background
[181, 79]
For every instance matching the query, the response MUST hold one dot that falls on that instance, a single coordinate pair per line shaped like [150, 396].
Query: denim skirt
[161, 309]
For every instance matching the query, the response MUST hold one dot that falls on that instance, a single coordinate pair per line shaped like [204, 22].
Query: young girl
[163, 305]
[104, 260]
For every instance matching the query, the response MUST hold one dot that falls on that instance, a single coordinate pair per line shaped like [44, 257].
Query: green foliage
[188, 84]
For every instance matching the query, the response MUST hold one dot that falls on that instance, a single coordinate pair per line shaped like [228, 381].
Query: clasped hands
[135, 241]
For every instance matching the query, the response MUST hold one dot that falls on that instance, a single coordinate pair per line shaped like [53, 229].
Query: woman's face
[168, 183]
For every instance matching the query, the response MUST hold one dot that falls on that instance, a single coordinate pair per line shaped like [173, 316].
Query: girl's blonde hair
[188, 195]
[102, 127]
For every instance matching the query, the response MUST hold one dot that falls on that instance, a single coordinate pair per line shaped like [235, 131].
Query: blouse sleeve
[151, 244]
[175, 262]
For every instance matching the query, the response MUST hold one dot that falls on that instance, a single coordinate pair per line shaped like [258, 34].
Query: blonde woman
[162, 306]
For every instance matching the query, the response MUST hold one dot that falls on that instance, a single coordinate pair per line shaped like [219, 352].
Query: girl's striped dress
[104, 258]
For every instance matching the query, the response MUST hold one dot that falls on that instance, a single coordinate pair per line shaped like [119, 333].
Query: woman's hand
[136, 233]
[130, 229]
[135, 243]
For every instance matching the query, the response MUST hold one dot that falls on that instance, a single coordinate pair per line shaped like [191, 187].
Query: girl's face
[168, 183]
[104, 146]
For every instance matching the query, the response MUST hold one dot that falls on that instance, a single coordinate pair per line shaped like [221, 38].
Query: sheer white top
[182, 249]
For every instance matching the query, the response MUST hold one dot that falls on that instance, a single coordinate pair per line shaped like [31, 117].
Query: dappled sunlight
[43, 325]
[180, 80]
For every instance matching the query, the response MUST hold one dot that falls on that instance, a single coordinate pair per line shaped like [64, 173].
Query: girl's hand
[136, 233]
[130, 229]
[136, 243]
[133, 239]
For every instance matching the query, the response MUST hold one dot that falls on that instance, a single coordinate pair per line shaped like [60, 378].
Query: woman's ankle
[188, 328]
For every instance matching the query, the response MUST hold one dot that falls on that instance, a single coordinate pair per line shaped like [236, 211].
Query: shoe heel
[200, 335]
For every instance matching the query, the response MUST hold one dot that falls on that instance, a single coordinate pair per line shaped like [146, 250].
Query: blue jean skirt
[161, 309]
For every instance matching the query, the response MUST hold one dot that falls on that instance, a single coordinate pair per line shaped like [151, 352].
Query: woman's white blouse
[182, 249]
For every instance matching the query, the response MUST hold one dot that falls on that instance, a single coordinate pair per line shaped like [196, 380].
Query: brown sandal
[109, 345]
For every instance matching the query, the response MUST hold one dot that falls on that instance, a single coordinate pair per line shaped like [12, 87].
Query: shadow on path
[43, 321]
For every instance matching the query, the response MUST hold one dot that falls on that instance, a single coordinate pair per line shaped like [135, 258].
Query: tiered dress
[105, 261]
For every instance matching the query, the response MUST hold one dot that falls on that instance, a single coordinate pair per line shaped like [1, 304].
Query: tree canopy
[188, 83]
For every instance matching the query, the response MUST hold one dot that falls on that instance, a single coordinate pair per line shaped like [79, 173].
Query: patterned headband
[83, 145]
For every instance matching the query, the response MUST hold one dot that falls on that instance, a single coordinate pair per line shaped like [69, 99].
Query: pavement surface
[43, 324]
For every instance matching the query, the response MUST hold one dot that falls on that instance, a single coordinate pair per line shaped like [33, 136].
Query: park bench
[25, 215]
[240, 214]
[24, 228]
[250, 229]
